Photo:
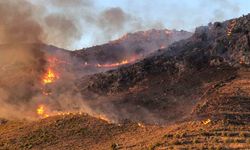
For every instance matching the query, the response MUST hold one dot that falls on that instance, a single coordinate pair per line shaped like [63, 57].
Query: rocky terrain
[131, 46]
[175, 79]
[192, 95]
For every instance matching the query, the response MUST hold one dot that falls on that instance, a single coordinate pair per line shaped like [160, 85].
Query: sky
[96, 19]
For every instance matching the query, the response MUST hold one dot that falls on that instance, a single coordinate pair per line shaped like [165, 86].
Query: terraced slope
[173, 80]
[85, 132]
[229, 99]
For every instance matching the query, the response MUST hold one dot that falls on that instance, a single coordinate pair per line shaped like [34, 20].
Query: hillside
[194, 94]
[81, 131]
[131, 46]
[173, 80]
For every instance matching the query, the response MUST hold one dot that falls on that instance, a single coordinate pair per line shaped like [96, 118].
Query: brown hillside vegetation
[85, 132]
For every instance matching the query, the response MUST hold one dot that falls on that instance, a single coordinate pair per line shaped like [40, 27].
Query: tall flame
[50, 76]
[230, 27]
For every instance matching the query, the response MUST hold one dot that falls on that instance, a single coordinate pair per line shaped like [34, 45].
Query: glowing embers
[104, 118]
[141, 125]
[205, 122]
[41, 111]
[230, 27]
[123, 62]
[50, 76]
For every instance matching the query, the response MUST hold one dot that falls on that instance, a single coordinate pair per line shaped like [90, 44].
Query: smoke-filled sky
[74, 24]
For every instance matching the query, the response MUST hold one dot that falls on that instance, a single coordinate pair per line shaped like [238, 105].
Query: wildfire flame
[205, 122]
[50, 76]
[140, 125]
[231, 27]
[41, 111]
[104, 118]
[123, 62]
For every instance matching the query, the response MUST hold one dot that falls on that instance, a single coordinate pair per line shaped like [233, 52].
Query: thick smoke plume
[24, 27]
[17, 23]
[20, 64]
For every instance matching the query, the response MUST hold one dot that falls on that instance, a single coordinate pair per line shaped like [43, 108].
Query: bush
[155, 145]
[114, 146]
[229, 140]
[168, 136]
[195, 141]
[240, 140]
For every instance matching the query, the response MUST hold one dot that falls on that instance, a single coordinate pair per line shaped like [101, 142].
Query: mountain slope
[77, 131]
[197, 89]
[131, 46]
[173, 80]
[229, 99]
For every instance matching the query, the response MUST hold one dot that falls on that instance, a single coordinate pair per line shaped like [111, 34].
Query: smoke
[17, 24]
[61, 23]
[83, 18]
[20, 69]
[62, 26]
[23, 63]
[228, 6]
[66, 23]
[112, 21]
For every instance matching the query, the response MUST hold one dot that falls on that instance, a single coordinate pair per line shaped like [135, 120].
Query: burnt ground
[174, 80]
[132, 45]
[199, 131]
[151, 99]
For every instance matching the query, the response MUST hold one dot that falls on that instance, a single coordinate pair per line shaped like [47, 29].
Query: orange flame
[50, 76]
[104, 118]
[123, 62]
[230, 27]
[41, 111]
[140, 125]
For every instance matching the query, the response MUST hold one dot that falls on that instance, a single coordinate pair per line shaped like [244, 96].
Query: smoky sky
[75, 24]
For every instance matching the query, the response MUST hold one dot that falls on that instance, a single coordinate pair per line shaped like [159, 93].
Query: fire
[140, 125]
[50, 76]
[205, 122]
[41, 111]
[123, 62]
[231, 27]
[53, 61]
[104, 118]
